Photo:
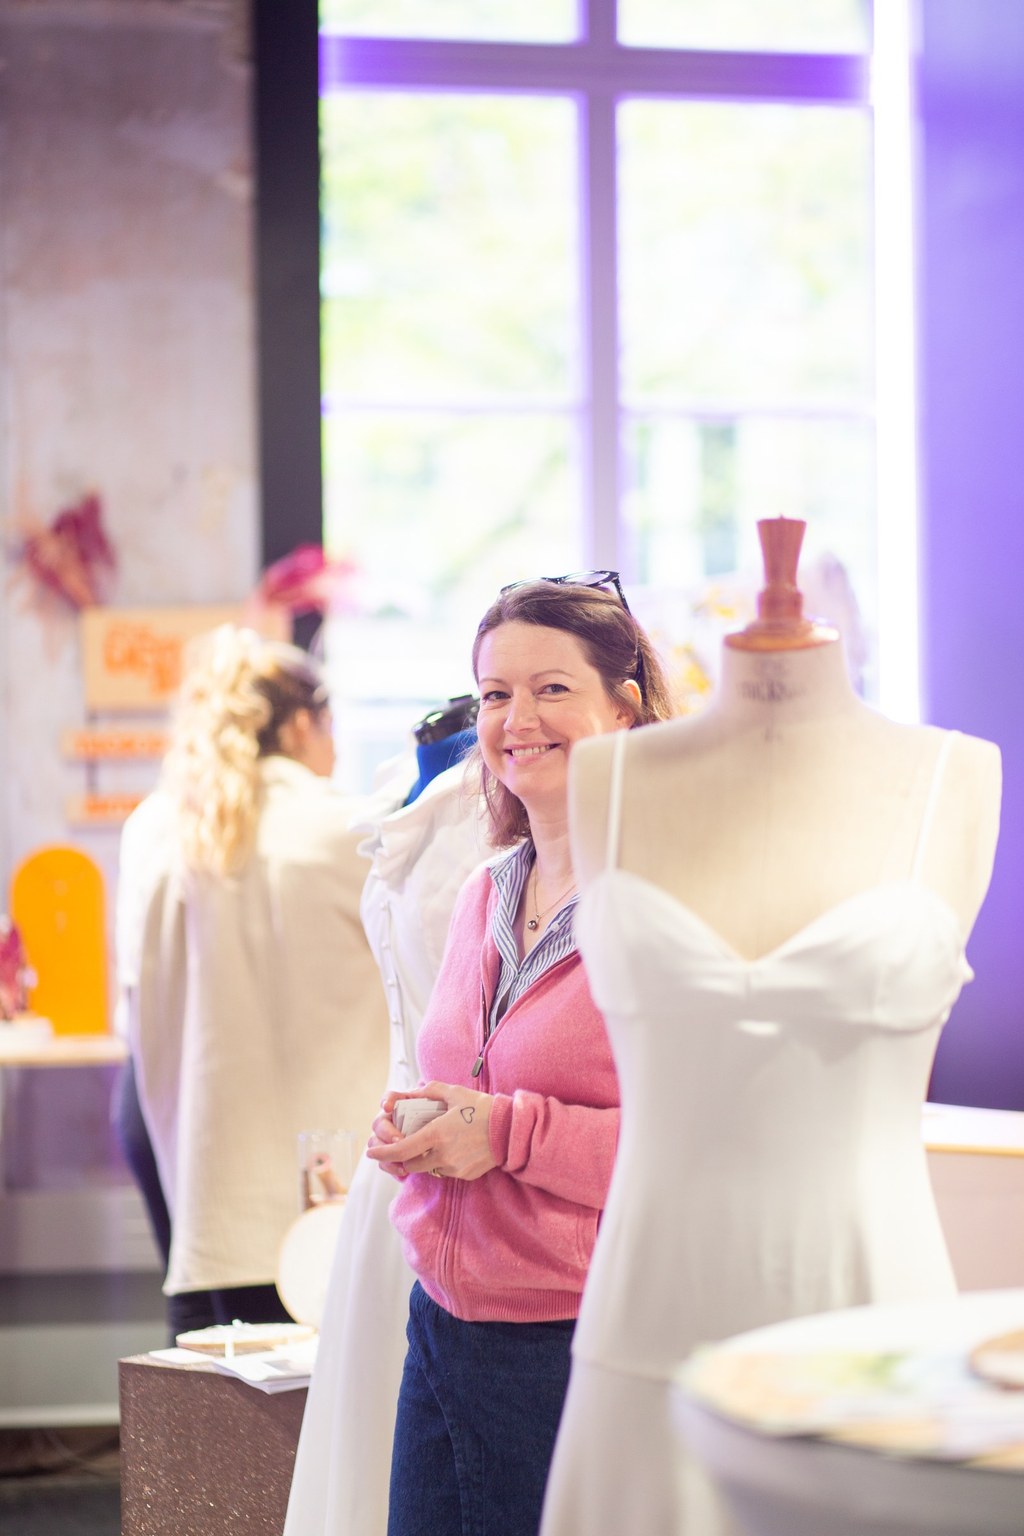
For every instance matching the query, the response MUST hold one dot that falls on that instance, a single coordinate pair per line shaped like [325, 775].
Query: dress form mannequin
[775, 895]
[806, 794]
[443, 738]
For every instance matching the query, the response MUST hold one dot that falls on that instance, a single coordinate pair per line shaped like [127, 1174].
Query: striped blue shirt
[510, 875]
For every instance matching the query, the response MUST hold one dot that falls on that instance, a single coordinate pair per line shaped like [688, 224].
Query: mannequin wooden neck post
[780, 624]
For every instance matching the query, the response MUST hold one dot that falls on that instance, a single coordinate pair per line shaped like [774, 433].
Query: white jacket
[256, 1013]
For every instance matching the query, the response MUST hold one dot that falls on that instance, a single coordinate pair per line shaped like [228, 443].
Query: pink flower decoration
[15, 976]
[305, 581]
[72, 556]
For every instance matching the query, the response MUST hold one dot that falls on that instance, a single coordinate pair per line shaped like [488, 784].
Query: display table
[203, 1454]
[79, 1270]
[976, 1165]
[46, 1226]
[23, 1045]
[23, 1048]
[780, 1483]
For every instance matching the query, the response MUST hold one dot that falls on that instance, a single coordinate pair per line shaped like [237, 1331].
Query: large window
[597, 290]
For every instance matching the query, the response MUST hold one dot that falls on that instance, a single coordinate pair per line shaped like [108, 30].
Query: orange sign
[92, 746]
[133, 657]
[100, 810]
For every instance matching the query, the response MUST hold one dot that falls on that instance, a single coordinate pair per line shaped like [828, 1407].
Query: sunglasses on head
[590, 579]
[577, 579]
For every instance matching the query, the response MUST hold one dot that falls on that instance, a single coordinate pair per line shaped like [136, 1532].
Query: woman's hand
[384, 1135]
[456, 1145]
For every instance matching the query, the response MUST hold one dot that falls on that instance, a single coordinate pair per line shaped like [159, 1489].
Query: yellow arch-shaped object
[57, 901]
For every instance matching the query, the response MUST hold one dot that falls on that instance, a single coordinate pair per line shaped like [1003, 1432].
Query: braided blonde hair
[238, 691]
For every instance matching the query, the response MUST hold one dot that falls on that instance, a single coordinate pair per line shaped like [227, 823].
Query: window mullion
[600, 340]
[416, 63]
[600, 22]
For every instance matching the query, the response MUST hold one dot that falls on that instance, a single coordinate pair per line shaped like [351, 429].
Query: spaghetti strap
[615, 799]
[924, 831]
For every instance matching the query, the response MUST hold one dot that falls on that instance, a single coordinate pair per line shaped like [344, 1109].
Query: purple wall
[971, 320]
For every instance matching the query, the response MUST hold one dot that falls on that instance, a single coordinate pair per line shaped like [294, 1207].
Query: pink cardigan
[514, 1245]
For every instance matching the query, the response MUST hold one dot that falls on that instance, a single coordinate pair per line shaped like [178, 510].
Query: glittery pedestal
[201, 1454]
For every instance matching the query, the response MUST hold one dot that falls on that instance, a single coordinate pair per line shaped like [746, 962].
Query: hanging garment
[421, 854]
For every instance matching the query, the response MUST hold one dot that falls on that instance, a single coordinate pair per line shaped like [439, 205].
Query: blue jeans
[478, 1412]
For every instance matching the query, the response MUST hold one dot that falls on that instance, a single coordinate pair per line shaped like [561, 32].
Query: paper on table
[176, 1356]
[272, 1370]
[907, 1403]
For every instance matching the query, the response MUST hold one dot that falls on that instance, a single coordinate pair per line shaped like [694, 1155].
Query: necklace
[533, 923]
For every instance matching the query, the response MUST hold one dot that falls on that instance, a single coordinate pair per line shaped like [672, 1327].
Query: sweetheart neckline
[795, 938]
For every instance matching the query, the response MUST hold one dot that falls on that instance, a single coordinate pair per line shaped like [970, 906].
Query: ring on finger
[435, 1173]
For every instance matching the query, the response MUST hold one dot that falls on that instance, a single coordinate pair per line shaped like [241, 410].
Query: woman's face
[308, 737]
[320, 755]
[538, 696]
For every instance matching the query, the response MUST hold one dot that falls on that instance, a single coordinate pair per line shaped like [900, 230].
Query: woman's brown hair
[615, 646]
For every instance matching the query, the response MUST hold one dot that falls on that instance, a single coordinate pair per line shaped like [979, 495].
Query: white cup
[327, 1161]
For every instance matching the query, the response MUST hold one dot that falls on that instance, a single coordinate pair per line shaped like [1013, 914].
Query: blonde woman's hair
[237, 693]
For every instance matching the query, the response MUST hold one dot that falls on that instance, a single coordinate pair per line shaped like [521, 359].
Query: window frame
[599, 72]
[290, 55]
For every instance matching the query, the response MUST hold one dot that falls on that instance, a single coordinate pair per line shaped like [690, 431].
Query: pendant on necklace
[532, 923]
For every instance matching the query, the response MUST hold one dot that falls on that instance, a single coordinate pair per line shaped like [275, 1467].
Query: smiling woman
[610, 662]
[502, 1192]
[538, 695]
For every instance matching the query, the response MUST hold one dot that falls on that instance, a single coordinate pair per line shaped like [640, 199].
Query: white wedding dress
[770, 1163]
[421, 853]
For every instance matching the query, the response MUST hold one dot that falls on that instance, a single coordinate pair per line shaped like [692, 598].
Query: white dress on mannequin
[421, 855]
[770, 1161]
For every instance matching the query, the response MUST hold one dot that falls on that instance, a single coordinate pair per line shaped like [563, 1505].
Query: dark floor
[59, 1482]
